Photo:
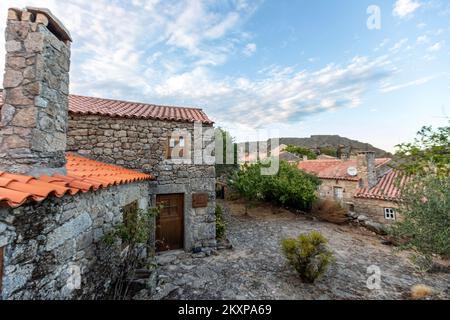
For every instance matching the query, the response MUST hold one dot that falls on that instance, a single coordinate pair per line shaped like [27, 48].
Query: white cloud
[389, 88]
[421, 25]
[281, 94]
[249, 49]
[404, 8]
[436, 47]
[126, 48]
[422, 39]
[382, 44]
[397, 46]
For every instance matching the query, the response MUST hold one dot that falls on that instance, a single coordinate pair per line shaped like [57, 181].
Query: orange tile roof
[335, 169]
[125, 109]
[387, 188]
[83, 175]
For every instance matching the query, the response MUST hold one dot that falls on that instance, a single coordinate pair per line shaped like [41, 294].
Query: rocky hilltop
[334, 142]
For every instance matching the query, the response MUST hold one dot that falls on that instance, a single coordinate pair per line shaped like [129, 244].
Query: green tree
[289, 187]
[248, 183]
[425, 209]
[332, 152]
[428, 154]
[300, 151]
[425, 196]
[226, 168]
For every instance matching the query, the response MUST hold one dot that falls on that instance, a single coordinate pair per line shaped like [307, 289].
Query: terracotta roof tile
[118, 108]
[83, 175]
[125, 109]
[387, 188]
[335, 169]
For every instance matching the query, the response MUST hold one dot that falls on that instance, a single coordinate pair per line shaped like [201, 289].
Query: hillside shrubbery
[290, 187]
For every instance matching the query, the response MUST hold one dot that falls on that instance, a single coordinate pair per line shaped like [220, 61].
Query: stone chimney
[34, 115]
[365, 164]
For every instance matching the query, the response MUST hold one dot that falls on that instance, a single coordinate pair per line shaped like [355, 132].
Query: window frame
[390, 214]
[176, 144]
[341, 193]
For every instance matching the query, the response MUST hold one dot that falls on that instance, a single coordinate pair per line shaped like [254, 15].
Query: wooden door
[170, 222]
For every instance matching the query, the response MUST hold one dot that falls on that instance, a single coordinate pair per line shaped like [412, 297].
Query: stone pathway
[256, 269]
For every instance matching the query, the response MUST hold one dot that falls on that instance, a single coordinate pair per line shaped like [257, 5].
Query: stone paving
[256, 269]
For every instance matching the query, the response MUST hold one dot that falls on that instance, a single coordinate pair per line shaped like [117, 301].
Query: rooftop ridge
[136, 102]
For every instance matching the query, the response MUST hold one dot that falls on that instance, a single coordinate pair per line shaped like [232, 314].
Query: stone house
[72, 166]
[365, 185]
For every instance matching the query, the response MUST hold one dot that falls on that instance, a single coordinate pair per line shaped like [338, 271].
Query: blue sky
[289, 68]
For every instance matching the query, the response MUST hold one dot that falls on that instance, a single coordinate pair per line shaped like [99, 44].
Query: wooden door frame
[183, 215]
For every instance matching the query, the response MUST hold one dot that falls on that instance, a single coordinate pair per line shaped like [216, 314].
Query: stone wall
[141, 144]
[349, 189]
[45, 243]
[374, 209]
[36, 87]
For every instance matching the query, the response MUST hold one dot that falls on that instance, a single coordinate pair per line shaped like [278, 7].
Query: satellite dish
[352, 171]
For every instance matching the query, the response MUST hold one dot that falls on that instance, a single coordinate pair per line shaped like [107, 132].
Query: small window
[389, 214]
[338, 192]
[176, 143]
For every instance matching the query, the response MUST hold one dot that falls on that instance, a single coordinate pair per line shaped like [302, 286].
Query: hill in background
[329, 144]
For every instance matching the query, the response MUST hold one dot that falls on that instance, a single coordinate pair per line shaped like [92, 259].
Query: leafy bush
[424, 204]
[329, 210]
[220, 223]
[301, 151]
[328, 151]
[289, 187]
[428, 154]
[132, 238]
[425, 212]
[308, 254]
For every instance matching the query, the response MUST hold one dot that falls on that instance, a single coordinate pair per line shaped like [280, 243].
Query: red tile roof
[83, 175]
[124, 109]
[335, 169]
[387, 188]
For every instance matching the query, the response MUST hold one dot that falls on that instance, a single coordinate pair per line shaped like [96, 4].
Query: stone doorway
[170, 222]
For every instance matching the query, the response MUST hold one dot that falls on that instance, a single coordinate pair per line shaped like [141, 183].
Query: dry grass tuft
[330, 211]
[421, 291]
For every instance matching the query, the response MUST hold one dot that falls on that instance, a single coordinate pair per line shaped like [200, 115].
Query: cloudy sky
[289, 68]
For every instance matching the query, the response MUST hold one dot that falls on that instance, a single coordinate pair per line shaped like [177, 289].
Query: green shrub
[308, 254]
[220, 223]
[289, 187]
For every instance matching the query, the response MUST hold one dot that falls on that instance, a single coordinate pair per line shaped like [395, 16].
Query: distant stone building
[364, 184]
[71, 167]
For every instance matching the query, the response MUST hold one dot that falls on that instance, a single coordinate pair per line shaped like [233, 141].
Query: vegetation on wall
[300, 151]
[220, 223]
[289, 187]
[132, 237]
[308, 254]
[425, 198]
